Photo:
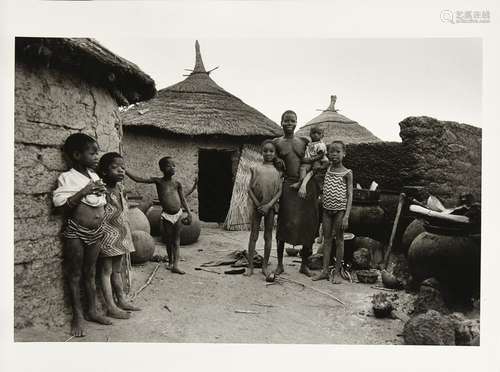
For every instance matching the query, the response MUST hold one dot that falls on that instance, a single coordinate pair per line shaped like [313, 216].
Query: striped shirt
[335, 191]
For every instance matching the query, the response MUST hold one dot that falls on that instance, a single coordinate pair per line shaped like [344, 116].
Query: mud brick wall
[49, 106]
[143, 148]
[445, 157]
[378, 161]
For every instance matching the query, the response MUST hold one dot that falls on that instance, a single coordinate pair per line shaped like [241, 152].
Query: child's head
[167, 166]
[268, 150]
[289, 121]
[336, 151]
[316, 134]
[81, 149]
[111, 167]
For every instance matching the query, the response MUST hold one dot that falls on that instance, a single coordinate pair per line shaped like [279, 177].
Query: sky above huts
[378, 82]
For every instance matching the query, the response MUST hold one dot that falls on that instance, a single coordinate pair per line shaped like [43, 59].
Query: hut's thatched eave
[338, 127]
[198, 106]
[91, 61]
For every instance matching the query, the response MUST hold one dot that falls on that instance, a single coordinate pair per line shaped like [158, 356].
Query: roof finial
[198, 67]
[333, 99]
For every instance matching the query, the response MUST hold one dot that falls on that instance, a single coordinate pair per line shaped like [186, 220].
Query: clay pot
[144, 246]
[450, 255]
[367, 217]
[414, 229]
[137, 219]
[153, 214]
[189, 233]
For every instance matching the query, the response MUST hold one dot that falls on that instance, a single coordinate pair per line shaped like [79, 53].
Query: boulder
[466, 330]
[430, 328]
[430, 298]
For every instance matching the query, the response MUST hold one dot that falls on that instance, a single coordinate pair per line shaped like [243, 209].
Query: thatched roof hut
[207, 130]
[92, 62]
[338, 127]
[198, 106]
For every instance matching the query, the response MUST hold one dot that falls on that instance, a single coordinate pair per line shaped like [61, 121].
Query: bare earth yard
[203, 305]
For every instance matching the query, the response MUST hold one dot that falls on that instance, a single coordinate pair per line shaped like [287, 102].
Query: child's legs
[117, 282]
[339, 239]
[91, 253]
[106, 275]
[328, 221]
[73, 259]
[167, 239]
[174, 232]
[254, 235]
[268, 235]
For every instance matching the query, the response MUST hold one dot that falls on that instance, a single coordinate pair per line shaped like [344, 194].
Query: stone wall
[143, 148]
[378, 161]
[49, 106]
[445, 157]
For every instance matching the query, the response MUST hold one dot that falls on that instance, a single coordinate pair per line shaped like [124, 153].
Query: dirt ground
[204, 306]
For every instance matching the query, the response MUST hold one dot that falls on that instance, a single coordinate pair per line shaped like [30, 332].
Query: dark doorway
[215, 184]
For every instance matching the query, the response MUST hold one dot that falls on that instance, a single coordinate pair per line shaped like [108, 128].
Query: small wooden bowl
[367, 276]
[292, 252]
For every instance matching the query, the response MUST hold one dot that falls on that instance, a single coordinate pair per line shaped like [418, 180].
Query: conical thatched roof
[92, 62]
[338, 127]
[197, 106]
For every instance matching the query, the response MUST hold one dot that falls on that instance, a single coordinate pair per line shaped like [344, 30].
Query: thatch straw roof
[92, 62]
[197, 106]
[338, 127]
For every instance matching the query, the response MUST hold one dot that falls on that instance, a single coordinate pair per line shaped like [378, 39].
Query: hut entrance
[215, 184]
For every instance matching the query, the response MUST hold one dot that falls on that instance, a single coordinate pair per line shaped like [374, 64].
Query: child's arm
[250, 191]
[345, 222]
[140, 179]
[184, 204]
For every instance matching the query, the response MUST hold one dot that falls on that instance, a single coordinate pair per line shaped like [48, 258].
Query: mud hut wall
[377, 161]
[445, 157]
[143, 148]
[49, 106]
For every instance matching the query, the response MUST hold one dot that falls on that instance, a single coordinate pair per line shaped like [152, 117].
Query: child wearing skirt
[117, 239]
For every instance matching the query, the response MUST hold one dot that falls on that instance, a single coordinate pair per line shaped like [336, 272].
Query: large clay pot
[153, 214]
[137, 219]
[450, 255]
[414, 229]
[144, 246]
[189, 233]
[367, 217]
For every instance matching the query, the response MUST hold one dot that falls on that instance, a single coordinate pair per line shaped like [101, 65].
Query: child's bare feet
[295, 185]
[175, 269]
[321, 276]
[279, 270]
[304, 270]
[128, 306]
[76, 328]
[118, 314]
[265, 270]
[249, 272]
[93, 317]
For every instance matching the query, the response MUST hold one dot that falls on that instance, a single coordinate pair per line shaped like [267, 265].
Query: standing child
[337, 202]
[264, 191]
[116, 240]
[314, 158]
[80, 193]
[171, 199]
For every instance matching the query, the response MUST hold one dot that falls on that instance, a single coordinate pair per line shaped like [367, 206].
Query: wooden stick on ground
[312, 288]
[148, 282]
[264, 305]
[246, 312]
[402, 198]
